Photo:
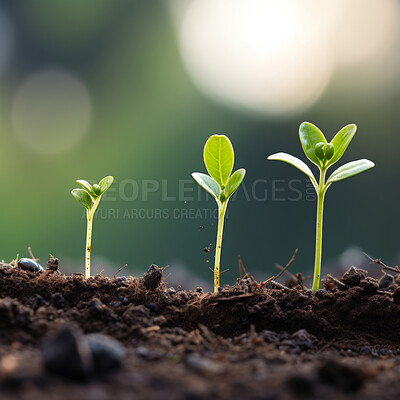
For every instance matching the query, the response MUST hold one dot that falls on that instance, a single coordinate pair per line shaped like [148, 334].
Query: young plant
[218, 157]
[89, 196]
[323, 155]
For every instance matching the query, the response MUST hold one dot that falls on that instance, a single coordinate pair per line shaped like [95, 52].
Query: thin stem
[90, 214]
[88, 244]
[318, 236]
[221, 217]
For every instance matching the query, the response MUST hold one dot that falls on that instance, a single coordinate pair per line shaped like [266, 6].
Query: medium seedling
[323, 155]
[89, 196]
[219, 157]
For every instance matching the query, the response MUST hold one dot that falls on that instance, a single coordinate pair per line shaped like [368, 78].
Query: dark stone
[353, 276]
[68, 354]
[385, 280]
[121, 280]
[270, 336]
[153, 277]
[39, 301]
[152, 307]
[300, 385]
[320, 293]
[199, 290]
[257, 308]
[29, 265]
[107, 352]
[58, 300]
[124, 300]
[304, 339]
[343, 377]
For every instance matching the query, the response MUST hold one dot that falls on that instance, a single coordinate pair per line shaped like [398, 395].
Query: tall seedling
[219, 158]
[323, 155]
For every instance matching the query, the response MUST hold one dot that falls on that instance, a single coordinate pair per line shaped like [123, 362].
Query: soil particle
[369, 284]
[58, 300]
[53, 264]
[153, 277]
[347, 379]
[353, 276]
[385, 281]
[396, 296]
[300, 385]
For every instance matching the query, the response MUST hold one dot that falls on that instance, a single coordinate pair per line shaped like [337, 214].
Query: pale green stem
[221, 217]
[318, 235]
[90, 214]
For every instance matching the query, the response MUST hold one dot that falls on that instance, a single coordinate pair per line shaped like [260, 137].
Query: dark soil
[64, 337]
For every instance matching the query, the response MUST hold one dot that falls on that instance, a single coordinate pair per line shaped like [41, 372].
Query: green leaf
[292, 160]
[341, 140]
[105, 183]
[350, 169]
[86, 185]
[207, 183]
[218, 157]
[82, 197]
[310, 136]
[234, 182]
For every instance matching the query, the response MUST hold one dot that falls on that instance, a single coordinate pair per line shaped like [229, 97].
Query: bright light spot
[264, 55]
[368, 30]
[6, 40]
[51, 112]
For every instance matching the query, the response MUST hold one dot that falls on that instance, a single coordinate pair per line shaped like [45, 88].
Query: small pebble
[152, 307]
[68, 354]
[29, 265]
[58, 300]
[124, 300]
[107, 352]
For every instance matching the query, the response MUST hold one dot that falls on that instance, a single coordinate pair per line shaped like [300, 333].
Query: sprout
[218, 157]
[323, 155]
[89, 196]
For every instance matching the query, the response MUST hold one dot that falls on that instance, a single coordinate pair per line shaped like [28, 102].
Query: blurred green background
[134, 89]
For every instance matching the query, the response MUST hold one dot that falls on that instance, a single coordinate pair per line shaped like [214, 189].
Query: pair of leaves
[219, 157]
[310, 137]
[88, 194]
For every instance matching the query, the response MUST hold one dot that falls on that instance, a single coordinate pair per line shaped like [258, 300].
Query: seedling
[219, 157]
[323, 155]
[89, 197]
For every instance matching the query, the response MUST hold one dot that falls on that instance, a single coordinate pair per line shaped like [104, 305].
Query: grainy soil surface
[64, 337]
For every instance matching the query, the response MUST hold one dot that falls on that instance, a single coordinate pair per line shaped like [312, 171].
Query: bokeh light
[51, 111]
[260, 54]
[278, 57]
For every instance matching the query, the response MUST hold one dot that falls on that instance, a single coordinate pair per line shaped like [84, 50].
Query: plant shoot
[219, 158]
[323, 155]
[89, 197]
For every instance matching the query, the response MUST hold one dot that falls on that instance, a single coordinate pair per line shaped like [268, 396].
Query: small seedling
[219, 157]
[89, 196]
[323, 155]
